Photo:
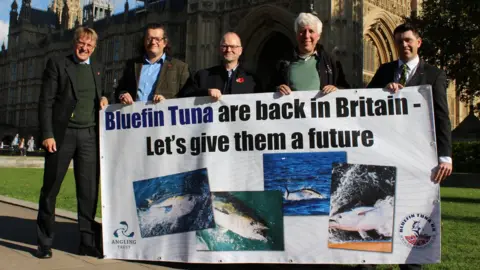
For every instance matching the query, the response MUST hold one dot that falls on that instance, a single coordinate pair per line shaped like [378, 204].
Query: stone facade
[96, 10]
[72, 7]
[357, 32]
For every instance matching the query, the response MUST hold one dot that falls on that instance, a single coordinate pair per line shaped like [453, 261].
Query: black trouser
[81, 145]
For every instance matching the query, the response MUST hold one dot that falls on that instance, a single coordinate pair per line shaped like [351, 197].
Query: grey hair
[305, 19]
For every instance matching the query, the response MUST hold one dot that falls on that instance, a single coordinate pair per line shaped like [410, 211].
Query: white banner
[343, 178]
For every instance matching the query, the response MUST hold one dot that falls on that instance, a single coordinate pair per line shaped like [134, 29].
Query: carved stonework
[397, 7]
[74, 10]
[208, 6]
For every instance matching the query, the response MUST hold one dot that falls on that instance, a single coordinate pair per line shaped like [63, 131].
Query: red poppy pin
[240, 80]
[169, 65]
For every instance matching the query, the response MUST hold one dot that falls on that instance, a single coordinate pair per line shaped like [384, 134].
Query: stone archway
[267, 35]
[378, 28]
[277, 46]
[379, 44]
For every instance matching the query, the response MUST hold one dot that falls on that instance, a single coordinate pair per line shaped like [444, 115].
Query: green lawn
[25, 184]
[460, 214]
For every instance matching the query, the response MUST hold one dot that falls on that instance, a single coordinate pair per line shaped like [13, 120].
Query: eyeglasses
[156, 39]
[232, 47]
[83, 44]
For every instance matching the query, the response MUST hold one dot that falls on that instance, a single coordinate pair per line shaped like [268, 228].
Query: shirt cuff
[445, 160]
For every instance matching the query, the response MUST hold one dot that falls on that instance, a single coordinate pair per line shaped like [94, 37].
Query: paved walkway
[23, 162]
[18, 246]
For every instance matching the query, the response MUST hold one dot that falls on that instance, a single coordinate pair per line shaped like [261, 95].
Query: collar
[305, 57]
[411, 64]
[160, 60]
[233, 69]
[77, 61]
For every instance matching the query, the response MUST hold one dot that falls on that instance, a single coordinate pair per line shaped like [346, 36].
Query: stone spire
[312, 8]
[65, 15]
[14, 13]
[125, 12]
[26, 10]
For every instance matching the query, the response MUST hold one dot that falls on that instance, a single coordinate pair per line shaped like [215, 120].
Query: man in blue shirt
[156, 75]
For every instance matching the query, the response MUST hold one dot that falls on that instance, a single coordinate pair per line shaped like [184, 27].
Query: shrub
[466, 157]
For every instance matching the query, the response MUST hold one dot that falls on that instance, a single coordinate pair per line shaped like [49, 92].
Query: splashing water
[347, 186]
[168, 215]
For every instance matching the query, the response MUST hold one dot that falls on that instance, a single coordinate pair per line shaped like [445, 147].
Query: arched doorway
[267, 34]
[276, 47]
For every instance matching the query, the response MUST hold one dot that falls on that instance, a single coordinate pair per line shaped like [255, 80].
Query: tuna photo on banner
[343, 178]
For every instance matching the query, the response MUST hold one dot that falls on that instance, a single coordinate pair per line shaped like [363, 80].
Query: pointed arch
[378, 28]
[257, 27]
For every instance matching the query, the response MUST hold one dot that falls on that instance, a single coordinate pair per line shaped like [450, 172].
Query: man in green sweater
[310, 67]
[70, 99]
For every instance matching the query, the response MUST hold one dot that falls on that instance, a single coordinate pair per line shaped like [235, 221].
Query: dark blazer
[329, 70]
[172, 77]
[242, 82]
[425, 74]
[58, 95]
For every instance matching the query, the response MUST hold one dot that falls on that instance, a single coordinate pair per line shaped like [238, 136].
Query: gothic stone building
[357, 32]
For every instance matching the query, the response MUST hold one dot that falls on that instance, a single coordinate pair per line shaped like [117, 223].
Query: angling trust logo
[123, 233]
[417, 230]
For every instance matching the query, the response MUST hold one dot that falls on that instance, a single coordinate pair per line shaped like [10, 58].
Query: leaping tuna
[176, 206]
[302, 194]
[232, 214]
[363, 219]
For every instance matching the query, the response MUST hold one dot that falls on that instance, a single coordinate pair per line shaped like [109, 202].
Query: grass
[460, 214]
[25, 184]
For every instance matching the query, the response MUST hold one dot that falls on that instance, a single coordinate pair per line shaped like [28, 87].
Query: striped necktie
[403, 77]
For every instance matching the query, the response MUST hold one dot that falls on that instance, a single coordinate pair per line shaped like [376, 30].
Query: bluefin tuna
[363, 219]
[175, 206]
[232, 214]
[302, 194]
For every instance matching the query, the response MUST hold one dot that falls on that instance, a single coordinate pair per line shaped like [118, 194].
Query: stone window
[13, 72]
[21, 118]
[11, 96]
[116, 49]
[369, 57]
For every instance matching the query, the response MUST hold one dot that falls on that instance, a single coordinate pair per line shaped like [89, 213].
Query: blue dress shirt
[148, 78]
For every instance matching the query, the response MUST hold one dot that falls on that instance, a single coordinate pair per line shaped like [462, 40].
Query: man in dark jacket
[156, 75]
[410, 70]
[228, 78]
[310, 67]
[70, 98]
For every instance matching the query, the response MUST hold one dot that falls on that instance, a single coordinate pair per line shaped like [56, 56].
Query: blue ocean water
[189, 207]
[300, 171]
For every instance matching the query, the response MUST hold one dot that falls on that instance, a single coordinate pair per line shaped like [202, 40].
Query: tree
[450, 30]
